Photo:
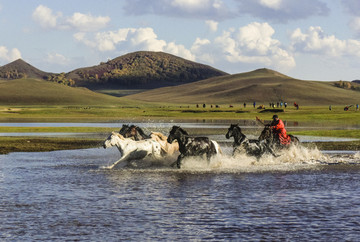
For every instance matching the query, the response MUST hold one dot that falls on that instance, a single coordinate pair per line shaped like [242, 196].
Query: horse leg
[122, 159]
[271, 151]
[178, 161]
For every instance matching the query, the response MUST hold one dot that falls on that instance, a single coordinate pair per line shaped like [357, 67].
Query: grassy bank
[29, 144]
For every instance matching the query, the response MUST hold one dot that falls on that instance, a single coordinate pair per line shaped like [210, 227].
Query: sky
[307, 39]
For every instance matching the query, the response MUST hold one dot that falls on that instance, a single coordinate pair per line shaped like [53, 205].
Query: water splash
[296, 157]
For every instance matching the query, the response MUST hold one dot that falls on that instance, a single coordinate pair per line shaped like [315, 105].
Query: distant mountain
[21, 69]
[356, 81]
[261, 86]
[143, 69]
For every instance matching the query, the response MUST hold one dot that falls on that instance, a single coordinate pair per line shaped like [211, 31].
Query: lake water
[66, 196]
[305, 194]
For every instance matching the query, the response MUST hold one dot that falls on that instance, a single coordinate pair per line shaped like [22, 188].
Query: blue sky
[307, 39]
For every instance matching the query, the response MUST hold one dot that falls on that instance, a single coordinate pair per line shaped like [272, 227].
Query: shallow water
[65, 195]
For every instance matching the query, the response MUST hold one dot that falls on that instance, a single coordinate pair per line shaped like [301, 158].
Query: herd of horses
[134, 144]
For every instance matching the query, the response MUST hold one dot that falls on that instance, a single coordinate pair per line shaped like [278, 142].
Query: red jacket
[280, 130]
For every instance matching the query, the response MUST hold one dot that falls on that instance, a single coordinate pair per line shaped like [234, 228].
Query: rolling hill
[143, 69]
[29, 91]
[21, 69]
[262, 86]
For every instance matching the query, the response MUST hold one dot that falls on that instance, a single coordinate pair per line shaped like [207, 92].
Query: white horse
[132, 150]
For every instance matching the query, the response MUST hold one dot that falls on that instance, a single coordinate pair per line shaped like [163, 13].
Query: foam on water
[292, 159]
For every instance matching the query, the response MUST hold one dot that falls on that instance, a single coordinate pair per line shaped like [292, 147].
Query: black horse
[252, 147]
[273, 139]
[192, 146]
[134, 132]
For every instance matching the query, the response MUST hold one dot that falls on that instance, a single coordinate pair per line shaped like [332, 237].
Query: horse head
[125, 130]
[176, 133]
[233, 130]
[267, 134]
[112, 140]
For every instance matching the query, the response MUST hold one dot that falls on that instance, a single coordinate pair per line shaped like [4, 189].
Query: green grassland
[318, 121]
[319, 115]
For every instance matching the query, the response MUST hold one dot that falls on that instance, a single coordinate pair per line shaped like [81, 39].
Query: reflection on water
[65, 195]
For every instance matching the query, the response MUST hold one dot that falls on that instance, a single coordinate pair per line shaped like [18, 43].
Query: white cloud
[273, 4]
[78, 21]
[132, 39]
[200, 49]
[253, 44]
[9, 56]
[179, 50]
[212, 25]
[45, 17]
[58, 59]
[315, 41]
[84, 23]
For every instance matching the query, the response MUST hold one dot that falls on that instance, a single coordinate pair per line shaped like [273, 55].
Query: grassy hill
[21, 69]
[29, 91]
[143, 69]
[262, 86]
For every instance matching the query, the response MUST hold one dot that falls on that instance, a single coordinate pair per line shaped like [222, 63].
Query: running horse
[136, 133]
[192, 146]
[273, 140]
[251, 147]
[132, 150]
[133, 132]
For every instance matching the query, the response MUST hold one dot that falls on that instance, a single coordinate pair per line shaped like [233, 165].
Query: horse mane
[181, 130]
[160, 135]
[118, 135]
[141, 132]
[124, 128]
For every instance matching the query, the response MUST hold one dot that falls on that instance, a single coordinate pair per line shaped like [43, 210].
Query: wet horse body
[131, 149]
[242, 144]
[192, 146]
[273, 140]
[136, 133]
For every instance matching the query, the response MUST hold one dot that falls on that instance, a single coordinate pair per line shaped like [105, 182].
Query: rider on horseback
[278, 127]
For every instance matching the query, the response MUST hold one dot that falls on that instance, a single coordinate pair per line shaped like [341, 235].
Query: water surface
[66, 195]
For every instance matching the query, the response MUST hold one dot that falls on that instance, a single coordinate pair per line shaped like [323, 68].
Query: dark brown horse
[133, 132]
[273, 138]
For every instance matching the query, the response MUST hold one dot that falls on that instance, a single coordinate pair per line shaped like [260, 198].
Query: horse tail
[217, 147]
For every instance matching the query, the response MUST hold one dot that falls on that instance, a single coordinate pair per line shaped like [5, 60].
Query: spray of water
[296, 157]
[292, 159]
